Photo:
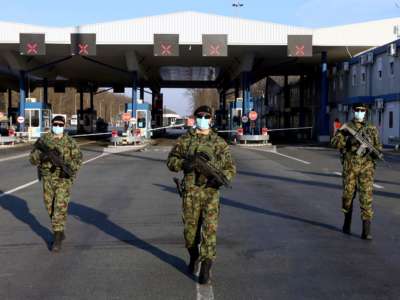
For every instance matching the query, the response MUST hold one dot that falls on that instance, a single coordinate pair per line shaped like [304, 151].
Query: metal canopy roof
[118, 41]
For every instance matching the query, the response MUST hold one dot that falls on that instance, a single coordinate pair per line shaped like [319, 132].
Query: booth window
[390, 119]
[35, 118]
[141, 119]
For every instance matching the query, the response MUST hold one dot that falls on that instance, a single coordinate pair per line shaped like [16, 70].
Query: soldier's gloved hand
[44, 158]
[214, 183]
[188, 165]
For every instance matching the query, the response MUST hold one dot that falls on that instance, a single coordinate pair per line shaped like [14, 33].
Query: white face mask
[202, 123]
[57, 130]
[359, 115]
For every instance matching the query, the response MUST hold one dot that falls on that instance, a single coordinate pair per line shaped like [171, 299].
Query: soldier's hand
[214, 183]
[188, 165]
[44, 158]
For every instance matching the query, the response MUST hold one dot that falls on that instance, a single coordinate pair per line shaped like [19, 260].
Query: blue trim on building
[371, 99]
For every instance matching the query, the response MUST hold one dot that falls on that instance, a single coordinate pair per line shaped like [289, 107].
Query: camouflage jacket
[189, 144]
[348, 146]
[68, 149]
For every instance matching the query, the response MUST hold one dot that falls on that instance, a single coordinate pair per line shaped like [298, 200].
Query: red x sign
[32, 48]
[166, 49]
[215, 50]
[300, 50]
[83, 49]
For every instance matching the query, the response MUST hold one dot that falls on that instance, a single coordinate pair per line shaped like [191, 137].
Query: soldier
[58, 159]
[358, 170]
[201, 193]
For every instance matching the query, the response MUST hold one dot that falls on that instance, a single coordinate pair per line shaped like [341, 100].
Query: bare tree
[200, 97]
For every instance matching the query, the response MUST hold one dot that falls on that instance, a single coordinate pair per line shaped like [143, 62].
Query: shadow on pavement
[255, 209]
[20, 210]
[312, 183]
[100, 220]
[337, 176]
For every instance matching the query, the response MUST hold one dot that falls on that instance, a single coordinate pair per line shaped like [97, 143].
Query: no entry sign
[253, 115]
[20, 119]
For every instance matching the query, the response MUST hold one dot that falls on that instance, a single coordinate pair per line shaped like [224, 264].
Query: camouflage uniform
[201, 203]
[358, 171]
[56, 190]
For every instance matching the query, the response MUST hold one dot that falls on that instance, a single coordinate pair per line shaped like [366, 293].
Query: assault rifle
[55, 158]
[365, 144]
[203, 166]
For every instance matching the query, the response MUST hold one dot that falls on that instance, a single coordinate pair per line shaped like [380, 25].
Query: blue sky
[308, 13]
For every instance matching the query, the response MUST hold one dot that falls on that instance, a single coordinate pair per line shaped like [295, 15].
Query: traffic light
[300, 46]
[166, 45]
[32, 44]
[215, 45]
[83, 44]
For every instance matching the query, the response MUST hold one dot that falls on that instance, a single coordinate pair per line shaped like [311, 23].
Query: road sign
[245, 119]
[126, 117]
[20, 119]
[215, 45]
[32, 44]
[300, 46]
[83, 44]
[253, 115]
[166, 45]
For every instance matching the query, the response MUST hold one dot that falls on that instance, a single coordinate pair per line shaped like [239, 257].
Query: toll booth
[37, 118]
[143, 117]
[87, 120]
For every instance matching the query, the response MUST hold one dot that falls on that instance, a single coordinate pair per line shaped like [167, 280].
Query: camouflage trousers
[56, 194]
[200, 218]
[358, 176]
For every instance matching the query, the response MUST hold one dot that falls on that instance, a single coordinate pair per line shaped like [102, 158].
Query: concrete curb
[268, 147]
[120, 149]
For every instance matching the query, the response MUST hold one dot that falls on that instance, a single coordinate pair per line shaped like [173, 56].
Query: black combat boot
[58, 237]
[194, 256]
[347, 223]
[366, 231]
[204, 276]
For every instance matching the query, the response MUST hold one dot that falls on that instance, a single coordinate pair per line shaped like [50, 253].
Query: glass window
[341, 82]
[35, 118]
[27, 118]
[380, 118]
[141, 119]
[391, 66]
[390, 119]
[380, 68]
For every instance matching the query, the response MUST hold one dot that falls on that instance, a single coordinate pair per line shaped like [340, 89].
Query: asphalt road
[279, 236]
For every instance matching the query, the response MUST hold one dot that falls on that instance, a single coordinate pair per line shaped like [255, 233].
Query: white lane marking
[284, 155]
[377, 186]
[19, 188]
[15, 157]
[36, 181]
[27, 153]
[96, 157]
[204, 291]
